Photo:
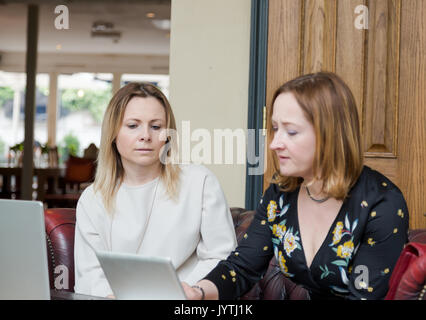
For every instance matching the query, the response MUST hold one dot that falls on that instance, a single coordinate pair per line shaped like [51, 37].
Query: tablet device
[137, 277]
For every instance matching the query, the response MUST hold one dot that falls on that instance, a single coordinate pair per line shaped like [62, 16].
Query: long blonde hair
[110, 171]
[328, 104]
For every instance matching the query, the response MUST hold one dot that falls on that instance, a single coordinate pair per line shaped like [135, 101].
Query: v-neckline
[326, 239]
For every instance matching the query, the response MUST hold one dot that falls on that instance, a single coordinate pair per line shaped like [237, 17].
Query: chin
[287, 172]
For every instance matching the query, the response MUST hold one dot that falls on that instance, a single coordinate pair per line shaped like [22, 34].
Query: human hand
[191, 293]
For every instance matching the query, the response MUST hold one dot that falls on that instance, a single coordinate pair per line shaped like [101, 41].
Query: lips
[144, 150]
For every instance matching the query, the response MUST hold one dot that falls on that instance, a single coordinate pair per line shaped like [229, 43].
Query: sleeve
[217, 232]
[89, 277]
[249, 262]
[384, 238]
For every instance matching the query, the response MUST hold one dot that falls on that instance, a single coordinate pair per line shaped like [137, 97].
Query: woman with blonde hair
[143, 202]
[335, 226]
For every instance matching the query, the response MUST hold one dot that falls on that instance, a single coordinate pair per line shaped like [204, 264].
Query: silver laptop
[136, 277]
[24, 272]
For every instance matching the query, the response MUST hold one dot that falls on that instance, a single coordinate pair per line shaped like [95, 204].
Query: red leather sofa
[407, 280]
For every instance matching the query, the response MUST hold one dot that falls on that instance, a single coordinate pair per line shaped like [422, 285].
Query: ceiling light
[161, 24]
[105, 30]
[150, 15]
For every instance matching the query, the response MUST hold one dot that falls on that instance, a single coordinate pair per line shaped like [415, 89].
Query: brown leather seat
[60, 226]
[60, 230]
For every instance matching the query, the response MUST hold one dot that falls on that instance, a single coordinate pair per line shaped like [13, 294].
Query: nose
[277, 143]
[145, 134]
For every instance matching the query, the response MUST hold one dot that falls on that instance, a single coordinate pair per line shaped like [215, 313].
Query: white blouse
[195, 230]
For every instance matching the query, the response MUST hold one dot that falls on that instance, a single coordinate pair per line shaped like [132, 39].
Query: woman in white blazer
[143, 202]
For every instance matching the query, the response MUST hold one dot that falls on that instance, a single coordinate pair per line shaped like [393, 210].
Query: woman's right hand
[192, 293]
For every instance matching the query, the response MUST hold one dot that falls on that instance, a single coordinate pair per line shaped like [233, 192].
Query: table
[65, 295]
[49, 175]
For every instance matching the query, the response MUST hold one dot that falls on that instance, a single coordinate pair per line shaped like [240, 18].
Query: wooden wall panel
[380, 110]
[319, 38]
[412, 111]
[351, 40]
[284, 45]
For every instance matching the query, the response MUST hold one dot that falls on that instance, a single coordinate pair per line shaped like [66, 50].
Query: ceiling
[138, 33]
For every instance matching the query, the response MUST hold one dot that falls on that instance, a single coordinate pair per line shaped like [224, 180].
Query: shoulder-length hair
[328, 104]
[110, 171]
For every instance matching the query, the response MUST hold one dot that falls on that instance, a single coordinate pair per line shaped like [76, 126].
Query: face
[141, 134]
[294, 138]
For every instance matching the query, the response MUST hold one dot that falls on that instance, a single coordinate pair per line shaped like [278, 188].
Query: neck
[315, 188]
[137, 175]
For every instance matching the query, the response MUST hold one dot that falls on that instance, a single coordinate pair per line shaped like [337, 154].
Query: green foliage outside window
[2, 147]
[6, 94]
[95, 101]
[70, 145]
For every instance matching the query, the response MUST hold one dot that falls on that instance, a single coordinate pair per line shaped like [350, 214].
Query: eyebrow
[285, 122]
[138, 120]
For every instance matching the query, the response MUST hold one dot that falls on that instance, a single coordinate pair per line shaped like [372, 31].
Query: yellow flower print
[282, 262]
[290, 242]
[232, 273]
[279, 231]
[345, 250]
[400, 213]
[271, 210]
[337, 233]
[371, 242]
[364, 204]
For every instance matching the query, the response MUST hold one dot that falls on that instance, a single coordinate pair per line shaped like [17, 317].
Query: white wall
[209, 75]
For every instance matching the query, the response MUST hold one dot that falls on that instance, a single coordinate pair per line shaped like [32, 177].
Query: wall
[209, 76]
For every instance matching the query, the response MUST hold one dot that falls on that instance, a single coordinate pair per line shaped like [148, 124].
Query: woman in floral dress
[335, 226]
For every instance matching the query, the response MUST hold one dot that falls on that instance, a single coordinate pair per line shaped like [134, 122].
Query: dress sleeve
[89, 277]
[217, 234]
[248, 263]
[384, 238]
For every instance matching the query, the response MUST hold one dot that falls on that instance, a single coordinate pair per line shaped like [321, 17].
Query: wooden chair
[79, 173]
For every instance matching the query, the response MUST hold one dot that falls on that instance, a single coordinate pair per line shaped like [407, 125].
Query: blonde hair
[328, 104]
[110, 171]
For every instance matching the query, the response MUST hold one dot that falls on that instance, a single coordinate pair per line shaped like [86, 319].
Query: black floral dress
[355, 260]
